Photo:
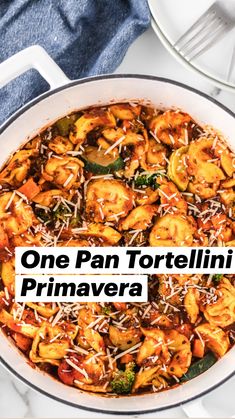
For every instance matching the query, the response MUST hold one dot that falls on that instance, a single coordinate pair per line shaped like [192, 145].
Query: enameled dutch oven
[64, 97]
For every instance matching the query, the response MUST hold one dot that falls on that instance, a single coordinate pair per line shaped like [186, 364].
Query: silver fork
[205, 32]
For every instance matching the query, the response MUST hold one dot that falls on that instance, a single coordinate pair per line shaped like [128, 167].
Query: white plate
[171, 19]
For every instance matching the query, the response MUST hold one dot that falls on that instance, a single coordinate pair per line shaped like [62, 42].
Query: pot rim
[5, 125]
[84, 80]
[113, 412]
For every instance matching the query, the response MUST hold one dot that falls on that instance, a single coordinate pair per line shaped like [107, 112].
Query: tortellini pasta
[124, 174]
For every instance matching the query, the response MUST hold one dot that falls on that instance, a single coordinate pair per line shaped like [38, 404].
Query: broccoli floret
[60, 214]
[51, 217]
[123, 380]
[147, 180]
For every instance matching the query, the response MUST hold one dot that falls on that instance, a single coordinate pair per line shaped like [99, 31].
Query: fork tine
[206, 37]
[205, 32]
[198, 35]
[204, 44]
[219, 34]
[195, 26]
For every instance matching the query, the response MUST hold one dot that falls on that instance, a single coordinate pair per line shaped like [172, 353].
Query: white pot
[63, 98]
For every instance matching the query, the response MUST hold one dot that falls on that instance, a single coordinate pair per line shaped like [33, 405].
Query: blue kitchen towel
[84, 37]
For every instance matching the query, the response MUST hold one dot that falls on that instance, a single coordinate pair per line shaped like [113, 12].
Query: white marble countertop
[146, 56]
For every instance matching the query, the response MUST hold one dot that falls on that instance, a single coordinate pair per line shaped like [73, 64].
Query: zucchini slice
[64, 124]
[99, 163]
[227, 163]
[199, 367]
[176, 170]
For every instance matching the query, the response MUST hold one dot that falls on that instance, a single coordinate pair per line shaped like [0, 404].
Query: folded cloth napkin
[85, 37]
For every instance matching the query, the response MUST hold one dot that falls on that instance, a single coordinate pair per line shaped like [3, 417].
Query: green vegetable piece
[75, 221]
[147, 180]
[199, 367]
[106, 310]
[43, 215]
[177, 170]
[60, 212]
[217, 278]
[64, 124]
[123, 380]
[96, 161]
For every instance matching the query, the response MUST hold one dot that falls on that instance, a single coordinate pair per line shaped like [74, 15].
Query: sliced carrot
[30, 189]
[22, 342]
[204, 226]
[126, 358]
[120, 306]
[198, 349]
[126, 124]
[186, 329]
[218, 221]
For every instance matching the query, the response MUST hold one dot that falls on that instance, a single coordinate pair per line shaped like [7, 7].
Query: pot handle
[196, 409]
[33, 57]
